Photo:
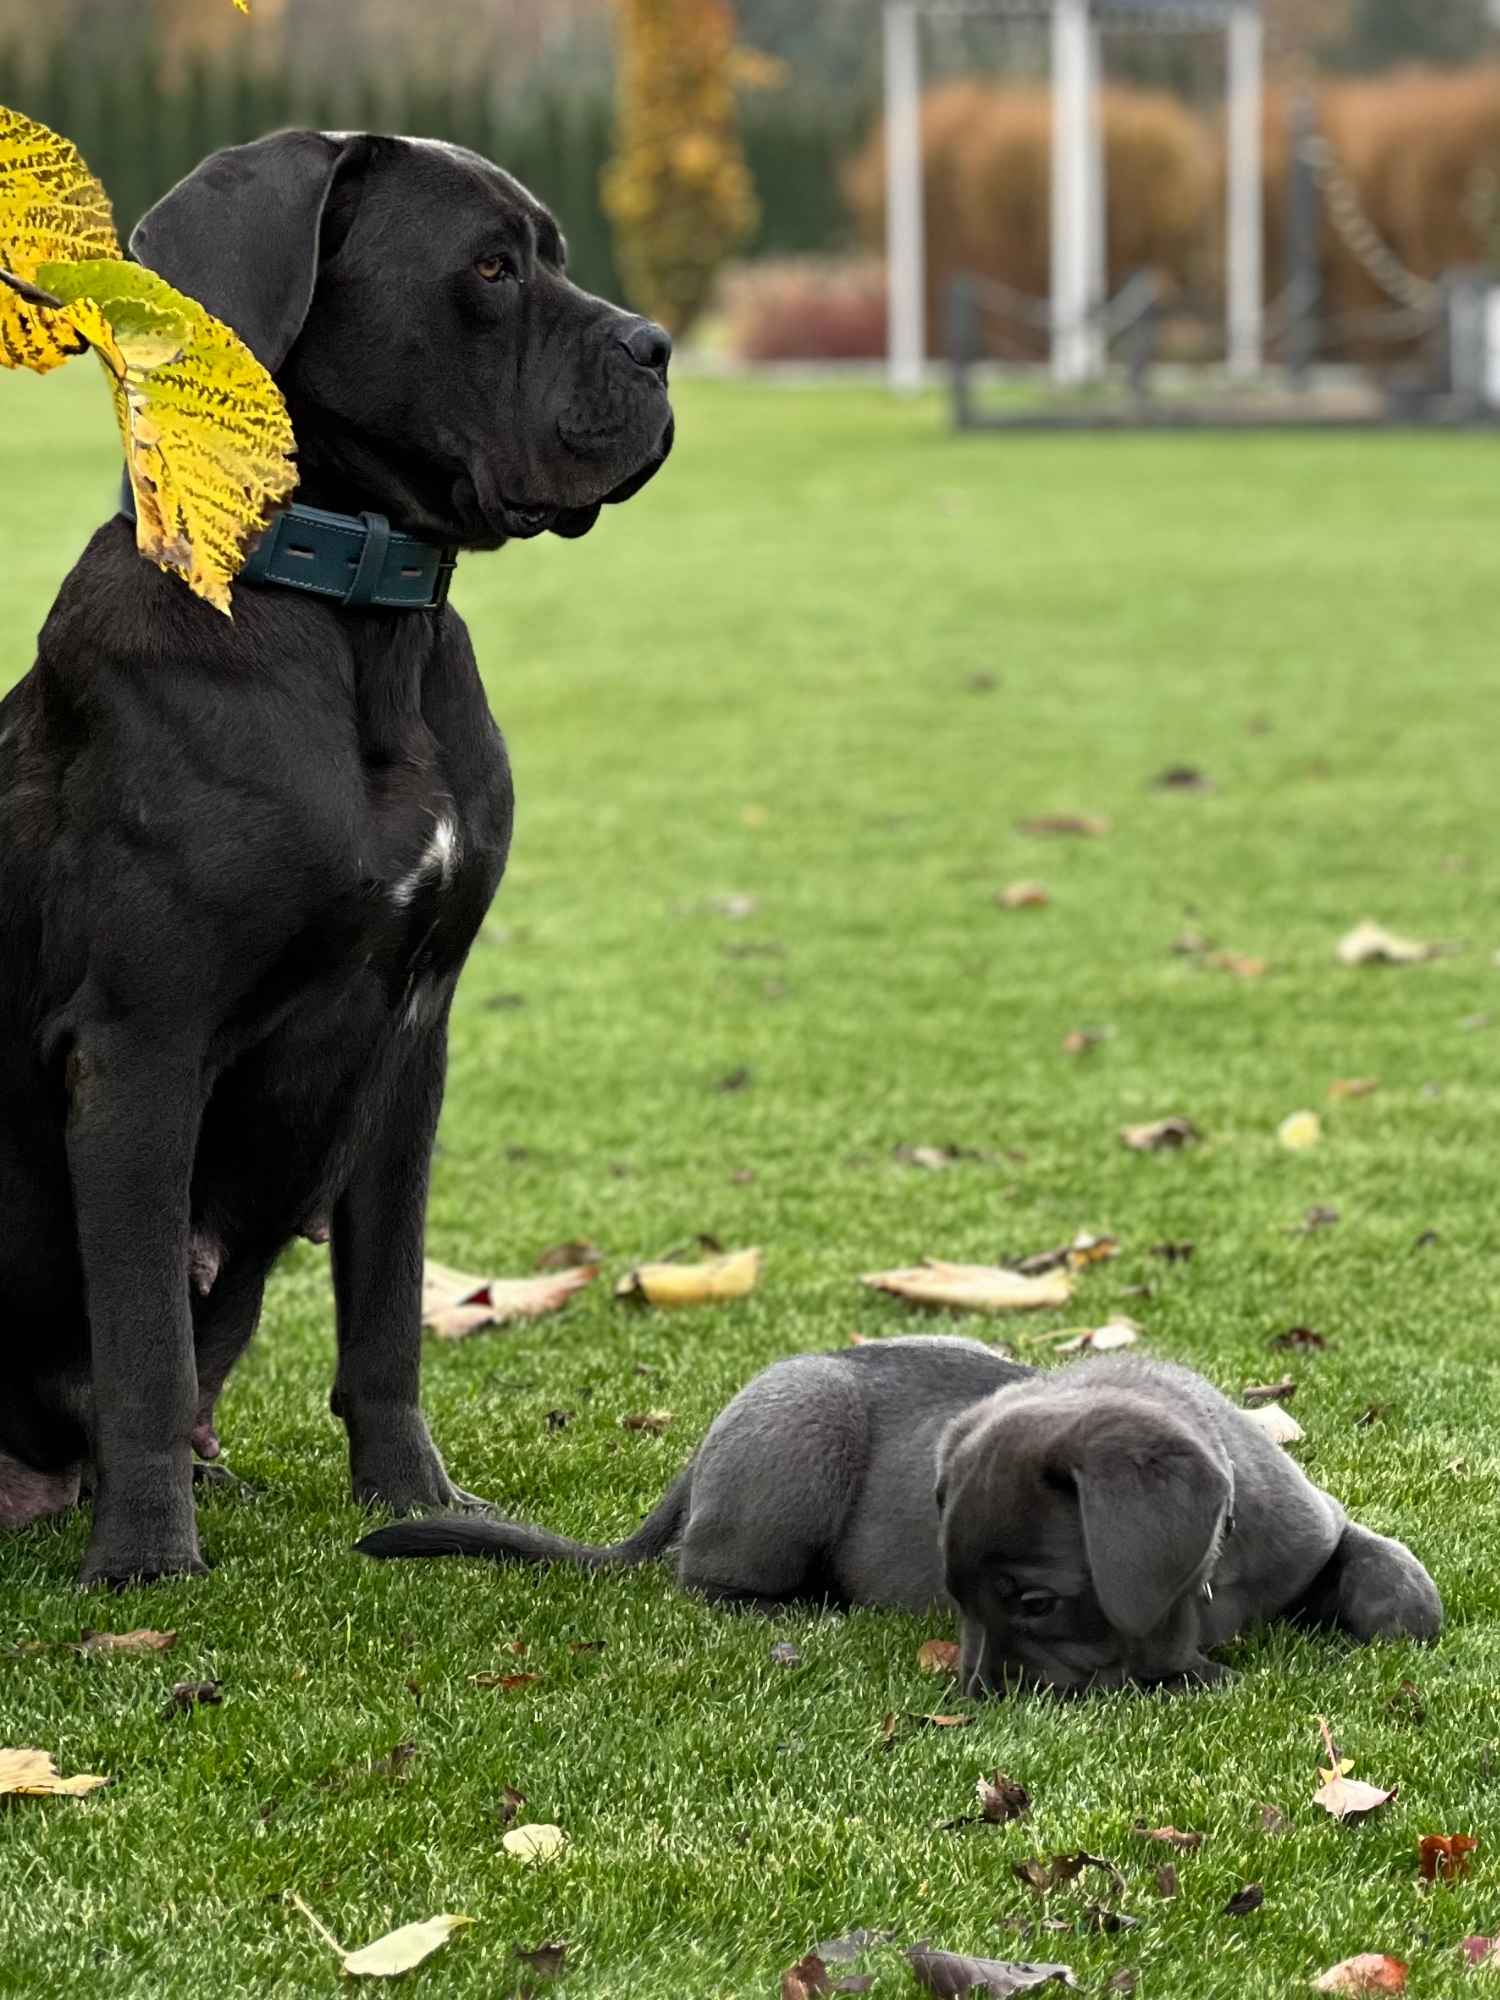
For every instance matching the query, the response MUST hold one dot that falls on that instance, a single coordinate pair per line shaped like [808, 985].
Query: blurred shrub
[678, 190]
[806, 309]
[988, 162]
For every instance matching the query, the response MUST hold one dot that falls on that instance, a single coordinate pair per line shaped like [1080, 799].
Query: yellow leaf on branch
[52, 211]
[208, 442]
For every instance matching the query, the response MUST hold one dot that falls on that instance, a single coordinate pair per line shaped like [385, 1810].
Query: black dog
[241, 864]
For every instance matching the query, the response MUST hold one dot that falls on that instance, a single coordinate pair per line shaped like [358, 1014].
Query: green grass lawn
[827, 662]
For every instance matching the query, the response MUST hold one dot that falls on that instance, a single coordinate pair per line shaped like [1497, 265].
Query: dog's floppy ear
[240, 234]
[1153, 1500]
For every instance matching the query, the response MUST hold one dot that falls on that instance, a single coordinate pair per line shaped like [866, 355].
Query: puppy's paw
[124, 1569]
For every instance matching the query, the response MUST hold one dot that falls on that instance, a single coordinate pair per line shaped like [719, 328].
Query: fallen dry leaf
[1169, 1836]
[455, 1304]
[1301, 1132]
[948, 1975]
[937, 1656]
[1271, 1392]
[1001, 1799]
[507, 1683]
[543, 1961]
[1279, 1425]
[1444, 1857]
[1344, 1087]
[1245, 1901]
[142, 1640]
[1174, 1253]
[534, 1843]
[1370, 943]
[1085, 1249]
[1319, 1216]
[654, 1421]
[1182, 778]
[1482, 1953]
[1166, 1881]
[984, 1288]
[1088, 826]
[1351, 1798]
[1059, 1869]
[188, 1695]
[1023, 896]
[511, 1802]
[1118, 1332]
[399, 1950]
[1298, 1337]
[1078, 1041]
[569, 1256]
[1239, 963]
[31, 1774]
[1161, 1136]
[810, 1977]
[1370, 1972]
[728, 1277]
[1272, 1820]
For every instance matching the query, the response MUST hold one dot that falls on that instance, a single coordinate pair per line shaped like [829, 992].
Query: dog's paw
[124, 1570]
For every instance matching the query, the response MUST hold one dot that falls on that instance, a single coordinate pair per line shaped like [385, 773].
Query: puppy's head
[414, 304]
[1077, 1533]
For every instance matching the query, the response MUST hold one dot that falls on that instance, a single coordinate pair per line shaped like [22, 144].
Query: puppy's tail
[515, 1541]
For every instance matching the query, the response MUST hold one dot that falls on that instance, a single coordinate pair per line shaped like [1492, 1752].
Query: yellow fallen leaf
[1276, 1421]
[141, 1640]
[398, 1951]
[52, 210]
[534, 1843]
[1370, 943]
[1344, 1087]
[31, 1774]
[984, 1288]
[937, 1656]
[1024, 896]
[1351, 1798]
[728, 1277]
[1304, 1129]
[456, 1304]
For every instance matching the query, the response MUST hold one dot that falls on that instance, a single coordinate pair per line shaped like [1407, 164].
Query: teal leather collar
[354, 559]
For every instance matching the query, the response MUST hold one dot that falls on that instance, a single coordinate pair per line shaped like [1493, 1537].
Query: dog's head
[413, 302]
[1078, 1531]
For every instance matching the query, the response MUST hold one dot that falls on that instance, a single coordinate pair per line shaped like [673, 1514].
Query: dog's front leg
[378, 1228]
[134, 1109]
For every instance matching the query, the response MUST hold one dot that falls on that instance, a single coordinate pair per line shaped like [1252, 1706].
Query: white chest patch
[438, 862]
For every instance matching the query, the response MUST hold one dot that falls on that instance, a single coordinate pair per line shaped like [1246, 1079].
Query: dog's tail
[515, 1541]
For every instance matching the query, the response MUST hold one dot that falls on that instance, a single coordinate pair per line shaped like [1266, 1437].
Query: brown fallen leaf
[1244, 1902]
[188, 1695]
[937, 1656]
[1370, 1972]
[543, 1961]
[1270, 1392]
[511, 1802]
[1482, 1953]
[1239, 963]
[455, 1305]
[948, 1975]
[1163, 1135]
[938, 1721]
[1406, 1704]
[1319, 1216]
[569, 1256]
[933, 1159]
[31, 1774]
[984, 1288]
[1182, 778]
[1272, 1820]
[1299, 1337]
[1345, 1087]
[1123, 1981]
[731, 1276]
[1444, 1857]
[1174, 1253]
[1088, 826]
[1085, 1249]
[1060, 1869]
[141, 1641]
[1370, 943]
[1169, 1836]
[654, 1421]
[807, 1978]
[507, 1683]
[1023, 896]
[1001, 1799]
[1166, 1881]
[1078, 1041]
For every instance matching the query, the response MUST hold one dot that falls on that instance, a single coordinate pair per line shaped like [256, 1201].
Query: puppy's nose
[649, 345]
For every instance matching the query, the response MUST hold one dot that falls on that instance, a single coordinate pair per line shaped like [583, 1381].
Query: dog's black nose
[650, 345]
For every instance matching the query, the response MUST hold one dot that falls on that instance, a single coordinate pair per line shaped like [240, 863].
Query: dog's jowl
[241, 863]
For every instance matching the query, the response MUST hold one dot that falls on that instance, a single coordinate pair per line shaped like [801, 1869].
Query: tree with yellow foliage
[678, 190]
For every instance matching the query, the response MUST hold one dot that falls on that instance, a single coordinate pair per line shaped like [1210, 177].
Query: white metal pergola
[1079, 247]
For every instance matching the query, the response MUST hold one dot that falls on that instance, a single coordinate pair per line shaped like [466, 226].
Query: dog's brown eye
[493, 269]
[1036, 1604]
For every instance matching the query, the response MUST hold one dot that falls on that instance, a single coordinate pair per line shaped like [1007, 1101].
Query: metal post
[906, 277]
[1245, 222]
[1072, 156]
[1098, 206]
[1303, 248]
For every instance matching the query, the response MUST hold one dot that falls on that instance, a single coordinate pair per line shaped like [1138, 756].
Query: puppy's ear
[240, 234]
[1153, 1502]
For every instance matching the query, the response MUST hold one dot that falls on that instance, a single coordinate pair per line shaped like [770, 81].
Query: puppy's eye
[496, 270]
[941, 1498]
[1037, 1603]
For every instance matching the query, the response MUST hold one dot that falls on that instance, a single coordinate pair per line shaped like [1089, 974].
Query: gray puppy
[1107, 1523]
